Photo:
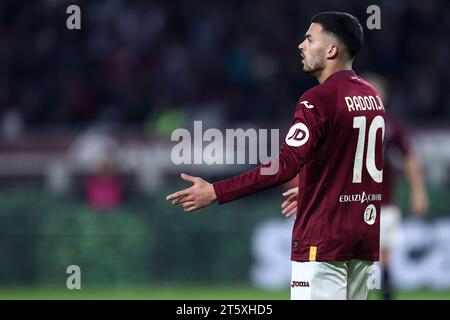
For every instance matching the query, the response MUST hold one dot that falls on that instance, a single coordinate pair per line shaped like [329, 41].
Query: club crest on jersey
[298, 135]
[370, 214]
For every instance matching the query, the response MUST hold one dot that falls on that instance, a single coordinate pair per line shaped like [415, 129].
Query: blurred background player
[398, 156]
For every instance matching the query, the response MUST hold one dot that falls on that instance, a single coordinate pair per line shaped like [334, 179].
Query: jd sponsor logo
[298, 135]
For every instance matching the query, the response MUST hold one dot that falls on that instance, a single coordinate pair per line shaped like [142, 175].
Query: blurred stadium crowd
[133, 61]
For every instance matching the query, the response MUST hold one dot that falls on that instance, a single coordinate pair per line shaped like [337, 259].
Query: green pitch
[101, 292]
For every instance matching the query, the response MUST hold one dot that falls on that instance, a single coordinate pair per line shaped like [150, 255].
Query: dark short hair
[345, 27]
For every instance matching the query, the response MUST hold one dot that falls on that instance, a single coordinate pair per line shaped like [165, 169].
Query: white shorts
[390, 218]
[333, 280]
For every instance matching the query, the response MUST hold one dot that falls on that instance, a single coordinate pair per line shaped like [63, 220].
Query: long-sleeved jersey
[335, 143]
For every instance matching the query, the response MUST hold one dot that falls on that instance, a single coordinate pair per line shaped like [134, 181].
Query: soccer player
[398, 154]
[335, 144]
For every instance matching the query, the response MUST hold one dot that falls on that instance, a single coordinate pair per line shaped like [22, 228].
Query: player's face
[313, 49]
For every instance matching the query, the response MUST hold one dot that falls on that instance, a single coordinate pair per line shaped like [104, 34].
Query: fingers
[190, 209]
[290, 192]
[178, 194]
[291, 213]
[183, 199]
[288, 201]
[189, 178]
[192, 198]
[183, 195]
[289, 208]
[285, 204]
[187, 204]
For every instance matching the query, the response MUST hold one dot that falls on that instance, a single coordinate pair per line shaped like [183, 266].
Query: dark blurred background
[133, 60]
[86, 118]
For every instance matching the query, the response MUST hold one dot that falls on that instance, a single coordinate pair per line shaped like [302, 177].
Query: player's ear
[332, 51]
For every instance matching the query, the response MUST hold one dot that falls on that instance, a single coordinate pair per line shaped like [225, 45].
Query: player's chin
[310, 70]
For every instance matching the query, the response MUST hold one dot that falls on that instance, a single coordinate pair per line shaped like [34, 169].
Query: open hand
[200, 195]
[289, 206]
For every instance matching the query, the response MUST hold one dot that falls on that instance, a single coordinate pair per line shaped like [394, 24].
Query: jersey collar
[340, 74]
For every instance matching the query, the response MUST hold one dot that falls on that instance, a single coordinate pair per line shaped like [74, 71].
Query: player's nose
[301, 47]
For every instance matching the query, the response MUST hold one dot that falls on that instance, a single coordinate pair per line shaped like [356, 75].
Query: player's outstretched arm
[289, 206]
[200, 195]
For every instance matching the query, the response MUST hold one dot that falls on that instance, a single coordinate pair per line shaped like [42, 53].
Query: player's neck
[327, 72]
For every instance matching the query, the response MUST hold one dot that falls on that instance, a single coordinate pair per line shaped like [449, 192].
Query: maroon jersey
[335, 143]
[396, 147]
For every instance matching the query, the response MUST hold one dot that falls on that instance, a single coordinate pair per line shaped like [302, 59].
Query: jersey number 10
[360, 124]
